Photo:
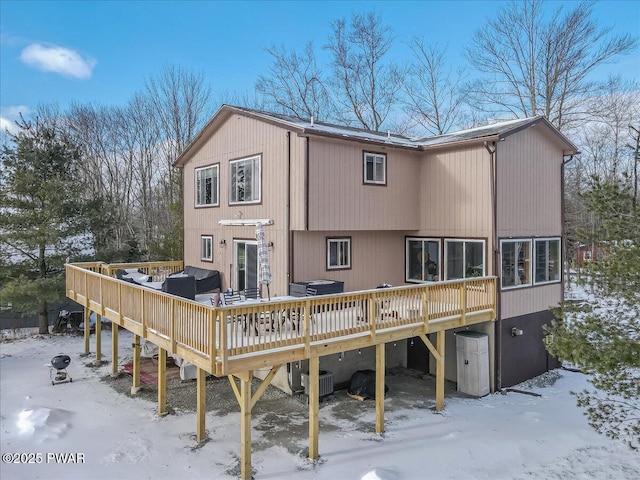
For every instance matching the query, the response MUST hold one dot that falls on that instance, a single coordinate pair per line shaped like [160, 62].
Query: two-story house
[365, 208]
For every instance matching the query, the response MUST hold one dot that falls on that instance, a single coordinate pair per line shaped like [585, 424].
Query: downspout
[493, 156]
[306, 185]
[289, 241]
[289, 246]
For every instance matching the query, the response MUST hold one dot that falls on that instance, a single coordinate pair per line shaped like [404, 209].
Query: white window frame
[255, 162]
[200, 195]
[528, 269]
[375, 158]
[558, 266]
[407, 260]
[342, 242]
[464, 241]
[206, 248]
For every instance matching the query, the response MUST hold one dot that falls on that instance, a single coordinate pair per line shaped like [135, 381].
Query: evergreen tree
[602, 335]
[41, 215]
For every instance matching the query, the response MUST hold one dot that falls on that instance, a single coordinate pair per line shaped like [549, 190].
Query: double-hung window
[207, 186]
[515, 258]
[464, 259]
[338, 253]
[547, 260]
[206, 248]
[375, 168]
[422, 260]
[245, 181]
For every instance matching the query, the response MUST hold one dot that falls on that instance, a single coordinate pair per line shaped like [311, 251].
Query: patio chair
[231, 297]
[253, 293]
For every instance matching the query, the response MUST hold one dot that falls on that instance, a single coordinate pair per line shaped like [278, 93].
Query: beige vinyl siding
[376, 257]
[240, 137]
[529, 185]
[455, 193]
[339, 200]
[529, 206]
[528, 300]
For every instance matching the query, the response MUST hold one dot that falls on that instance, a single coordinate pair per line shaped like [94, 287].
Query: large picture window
[464, 259]
[547, 260]
[206, 248]
[338, 253]
[245, 184]
[207, 186]
[515, 258]
[375, 168]
[422, 260]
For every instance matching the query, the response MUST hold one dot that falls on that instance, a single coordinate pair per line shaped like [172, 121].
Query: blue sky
[102, 51]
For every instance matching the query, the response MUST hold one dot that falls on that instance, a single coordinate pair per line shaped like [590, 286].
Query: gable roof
[495, 132]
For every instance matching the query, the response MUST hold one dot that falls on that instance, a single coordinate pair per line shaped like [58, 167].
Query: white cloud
[59, 60]
[8, 116]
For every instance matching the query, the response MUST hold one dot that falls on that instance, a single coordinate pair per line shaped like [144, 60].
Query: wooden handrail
[215, 337]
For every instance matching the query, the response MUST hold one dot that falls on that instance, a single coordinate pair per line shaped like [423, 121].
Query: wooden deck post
[98, 339]
[87, 330]
[440, 370]
[114, 349]
[201, 405]
[380, 371]
[314, 400]
[135, 388]
[162, 382]
[245, 427]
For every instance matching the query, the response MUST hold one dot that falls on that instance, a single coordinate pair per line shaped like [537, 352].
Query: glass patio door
[245, 261]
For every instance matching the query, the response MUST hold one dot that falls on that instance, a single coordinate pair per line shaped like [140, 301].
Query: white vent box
[472, 350]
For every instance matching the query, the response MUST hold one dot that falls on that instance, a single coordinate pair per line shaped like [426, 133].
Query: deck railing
[235, 338]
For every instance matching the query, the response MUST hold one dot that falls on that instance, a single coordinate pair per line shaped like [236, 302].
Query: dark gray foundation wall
[523, 353]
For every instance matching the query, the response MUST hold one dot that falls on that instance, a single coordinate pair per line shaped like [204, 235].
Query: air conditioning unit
[326, 383]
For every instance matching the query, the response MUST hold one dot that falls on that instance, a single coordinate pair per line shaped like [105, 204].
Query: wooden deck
[235, 340]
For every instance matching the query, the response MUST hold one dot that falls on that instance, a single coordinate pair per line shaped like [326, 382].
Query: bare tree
[434, 93]
[294, 84]
[106, 174]
[180, 105]
[538, 66]
[365, 86]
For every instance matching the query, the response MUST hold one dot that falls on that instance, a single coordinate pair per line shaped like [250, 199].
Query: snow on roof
[309, 126]
[323, 128]
[499, 128]
[314, 127]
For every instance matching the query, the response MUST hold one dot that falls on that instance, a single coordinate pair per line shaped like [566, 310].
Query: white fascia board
[248, 221]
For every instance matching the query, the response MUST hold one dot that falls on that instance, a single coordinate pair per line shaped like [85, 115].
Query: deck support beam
[98, 360]
[245, 428]
[440, 371]
[114, 349]
[87, 330]
[135, 388]
[162, 382]
[438, 354]
[201, 405]
[314, 400]
[380, 371]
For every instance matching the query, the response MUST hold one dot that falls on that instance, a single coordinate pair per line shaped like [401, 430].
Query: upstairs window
[515, 258]
[464, 259]
[206, 248]
[375, 168]
[547, 260]
[245, 184]
[207, 186]
[338, 253]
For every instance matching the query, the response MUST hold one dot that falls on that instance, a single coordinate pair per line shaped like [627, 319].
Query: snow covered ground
[513, 436]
